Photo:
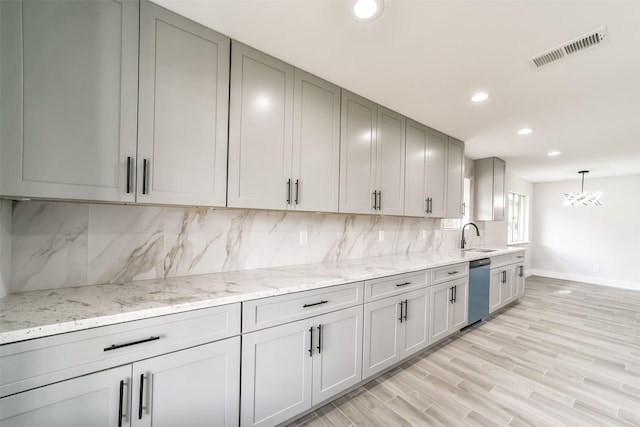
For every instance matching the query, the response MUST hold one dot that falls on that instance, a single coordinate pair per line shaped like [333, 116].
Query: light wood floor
[567, 354]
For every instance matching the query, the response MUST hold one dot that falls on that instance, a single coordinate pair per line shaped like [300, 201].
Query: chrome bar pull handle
[289, 191]
[406, 309]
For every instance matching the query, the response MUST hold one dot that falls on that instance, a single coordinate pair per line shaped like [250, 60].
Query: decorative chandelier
[583, 198]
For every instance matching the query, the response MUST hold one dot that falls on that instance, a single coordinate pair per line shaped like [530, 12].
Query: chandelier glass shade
[583, 198]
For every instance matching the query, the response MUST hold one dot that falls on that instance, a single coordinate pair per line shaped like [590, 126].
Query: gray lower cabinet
[91, 400]
[449, 304]
[289, 368]
[501, 287]
[518, 280]
[394, 328]
[199, 386]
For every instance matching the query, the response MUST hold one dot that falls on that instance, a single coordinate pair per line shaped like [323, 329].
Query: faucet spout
[463, 241]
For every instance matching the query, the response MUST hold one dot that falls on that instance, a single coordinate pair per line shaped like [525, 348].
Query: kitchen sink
[480, 250]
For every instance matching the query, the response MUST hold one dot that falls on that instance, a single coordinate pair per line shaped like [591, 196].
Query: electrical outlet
[304, 237]
[596, 269]
[381, 236]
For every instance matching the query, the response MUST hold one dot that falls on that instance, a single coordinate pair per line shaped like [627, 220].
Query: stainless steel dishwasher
[479, 276]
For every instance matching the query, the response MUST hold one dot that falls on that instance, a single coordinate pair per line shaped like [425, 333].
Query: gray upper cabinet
[260, 130]
[455, 179]
[390, 146]
[315, 169]
[489, 177]
[436, 161]
[284, 136]
[183, 108]
[69, 98]
[372, 158]
[425, 188]
[357, 154]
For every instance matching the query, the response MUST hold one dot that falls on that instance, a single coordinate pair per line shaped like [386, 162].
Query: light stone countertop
[38, 314]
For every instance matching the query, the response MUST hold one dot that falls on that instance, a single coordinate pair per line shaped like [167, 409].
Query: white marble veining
[56, 245]
[49, 244]
[36, 314]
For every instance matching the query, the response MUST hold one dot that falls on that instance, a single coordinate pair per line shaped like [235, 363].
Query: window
[455, 222]
[517, 218]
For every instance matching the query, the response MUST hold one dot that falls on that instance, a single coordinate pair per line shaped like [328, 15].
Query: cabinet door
[382, 330]
[390, 147]
[499, 174]
[276, 373]
[260, 130]
[506, 285]
[357, 153]
[69, 98]
[183, 107]
[455, 178]
[199, 386]
[460, 309]
[415, 169]
[518, 275]
[436, 172]
[495, 288]
[337, 360]
[415, 328]
[440, 306]
[316, 144]
[91, 400]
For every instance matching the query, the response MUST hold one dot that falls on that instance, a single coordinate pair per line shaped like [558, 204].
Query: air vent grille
[572, 47]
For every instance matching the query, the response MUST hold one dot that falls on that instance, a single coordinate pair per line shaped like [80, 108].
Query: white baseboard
[603, 281]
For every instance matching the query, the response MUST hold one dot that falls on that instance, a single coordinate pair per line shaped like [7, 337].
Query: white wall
[598, 244]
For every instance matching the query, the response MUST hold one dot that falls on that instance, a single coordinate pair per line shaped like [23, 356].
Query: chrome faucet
[462, 243]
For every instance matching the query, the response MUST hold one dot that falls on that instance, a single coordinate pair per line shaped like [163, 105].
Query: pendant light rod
[583, 172]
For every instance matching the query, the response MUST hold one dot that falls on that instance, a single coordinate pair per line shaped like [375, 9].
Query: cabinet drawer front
[28, 364]
[394, 285]
[502, 260]
[449, 272]
[267, 312]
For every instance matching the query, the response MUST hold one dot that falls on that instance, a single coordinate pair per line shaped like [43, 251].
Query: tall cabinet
[69, 98]
[283, 135]
[455, 179]
[372, 147]
[489, 174]
[183, 109]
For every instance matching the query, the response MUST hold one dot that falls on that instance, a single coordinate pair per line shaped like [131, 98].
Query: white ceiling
[425, 59]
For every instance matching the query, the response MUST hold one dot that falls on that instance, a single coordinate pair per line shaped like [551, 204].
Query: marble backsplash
[55, 244]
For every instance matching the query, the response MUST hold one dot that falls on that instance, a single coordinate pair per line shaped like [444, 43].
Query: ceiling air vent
[572, 47]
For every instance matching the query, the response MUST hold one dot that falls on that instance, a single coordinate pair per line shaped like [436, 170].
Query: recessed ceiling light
[553, 153]
[525, 131]
[367, 10]
[480, 96]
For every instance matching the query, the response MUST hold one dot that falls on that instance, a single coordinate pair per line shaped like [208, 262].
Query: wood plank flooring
[566, 354]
